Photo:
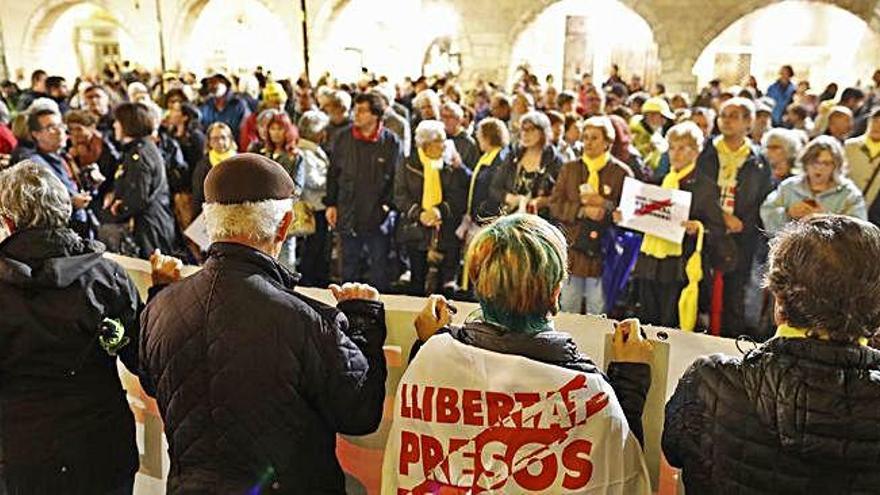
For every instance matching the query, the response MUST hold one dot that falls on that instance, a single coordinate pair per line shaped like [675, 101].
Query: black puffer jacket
[793, 416]
[254, 380]
[65, 425]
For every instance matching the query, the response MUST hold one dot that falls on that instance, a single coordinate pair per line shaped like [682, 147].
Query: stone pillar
[576, 59]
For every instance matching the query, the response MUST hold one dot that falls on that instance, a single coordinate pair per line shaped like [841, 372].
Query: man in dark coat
[743, 178]
[65, 424]
[49, 136]
[360, 184]
[254, 380]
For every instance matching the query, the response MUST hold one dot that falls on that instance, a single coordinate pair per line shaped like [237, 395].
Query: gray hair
[312, 123]
[819, 144]
[257, 221]
[745, 104]
[784, 137]
[43, 103]
[32, 197]
[267, 114]
[454, 108]
[341, 98]
[687, 130]
[604, 123]
[429, 130]
[427, 96]
[539, 120]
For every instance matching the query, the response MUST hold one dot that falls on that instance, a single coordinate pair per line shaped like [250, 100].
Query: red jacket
[7, 140]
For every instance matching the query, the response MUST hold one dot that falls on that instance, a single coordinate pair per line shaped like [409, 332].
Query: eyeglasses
[59, 128]
[824, 163]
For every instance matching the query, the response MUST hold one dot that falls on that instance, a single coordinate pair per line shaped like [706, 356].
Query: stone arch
[645, 10]
[866, 11]
[179, 31]
[44, 16]
[325, 17]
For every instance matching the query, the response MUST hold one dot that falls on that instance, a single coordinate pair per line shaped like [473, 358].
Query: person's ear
[779, 316]
[554, 298]
[283, 227]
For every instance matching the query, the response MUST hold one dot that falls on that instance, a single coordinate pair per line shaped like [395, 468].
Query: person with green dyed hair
[518, 265]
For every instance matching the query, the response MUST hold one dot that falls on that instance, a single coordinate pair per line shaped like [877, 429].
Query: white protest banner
[654, 210]
[467, 420]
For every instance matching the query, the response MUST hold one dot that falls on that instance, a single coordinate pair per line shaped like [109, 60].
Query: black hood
[46, 258]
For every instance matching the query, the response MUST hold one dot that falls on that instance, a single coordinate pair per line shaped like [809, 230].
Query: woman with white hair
[820, 188]
[432, 197]
[525, 182]
[587, 193]
[68, 312]
[661, 267]
[780, 148]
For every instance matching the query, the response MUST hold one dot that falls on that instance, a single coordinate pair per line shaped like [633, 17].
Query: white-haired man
[254, 380]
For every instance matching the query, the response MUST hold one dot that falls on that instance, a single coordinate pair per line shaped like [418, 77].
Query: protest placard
[654, 210]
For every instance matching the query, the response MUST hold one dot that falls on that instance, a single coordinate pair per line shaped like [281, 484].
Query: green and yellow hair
[516, 264]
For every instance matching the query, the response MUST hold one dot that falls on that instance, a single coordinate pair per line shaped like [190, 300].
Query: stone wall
[682, 28]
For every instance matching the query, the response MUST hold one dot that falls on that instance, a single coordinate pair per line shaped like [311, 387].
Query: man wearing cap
[223, 105]
[254, 380]
[647, 130]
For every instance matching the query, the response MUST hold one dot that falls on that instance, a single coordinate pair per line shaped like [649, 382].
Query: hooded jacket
[792, 416]
[65, 424]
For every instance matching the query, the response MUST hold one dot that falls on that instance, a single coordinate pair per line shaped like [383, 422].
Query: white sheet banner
[467, 420]
[653, 210]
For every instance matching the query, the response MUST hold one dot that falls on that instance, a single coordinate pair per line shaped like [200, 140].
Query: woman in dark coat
[140, 193]
[661, 265]
[801, 413]
[431, 196]
[526, 180]
[65, 424]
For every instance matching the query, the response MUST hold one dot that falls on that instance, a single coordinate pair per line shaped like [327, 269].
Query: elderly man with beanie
[360, 185]
[253, 379]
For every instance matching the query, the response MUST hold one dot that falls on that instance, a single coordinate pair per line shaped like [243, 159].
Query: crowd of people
[394, 180]
[254, 380]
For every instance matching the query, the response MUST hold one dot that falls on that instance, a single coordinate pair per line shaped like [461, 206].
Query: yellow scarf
[214, 157]
[730, 160]
[873, 147]
[484, 161]
[432, 191]
[658, 247]
[788, 332]
[594, 166]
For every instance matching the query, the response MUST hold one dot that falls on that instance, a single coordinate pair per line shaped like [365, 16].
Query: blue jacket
[782, 95]
[843, 199]
[233, 114]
